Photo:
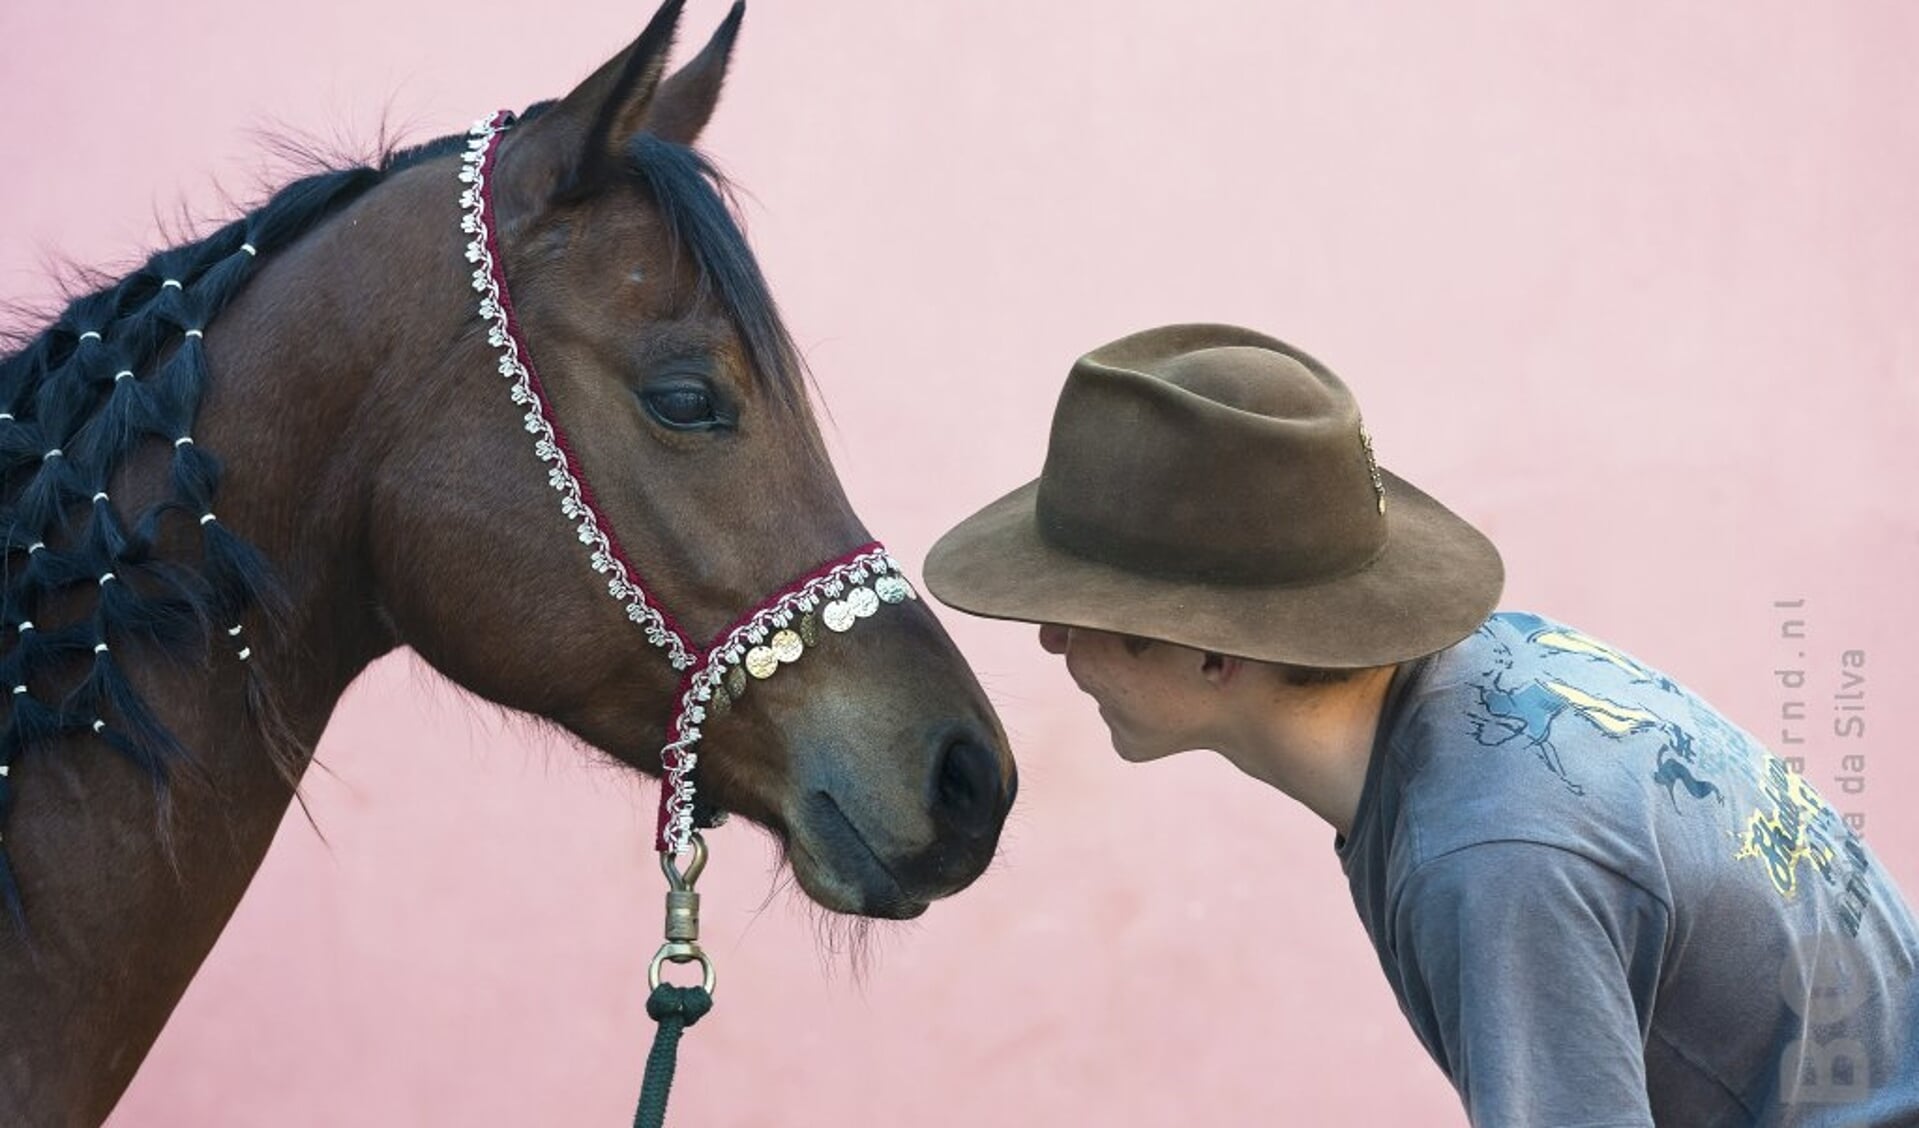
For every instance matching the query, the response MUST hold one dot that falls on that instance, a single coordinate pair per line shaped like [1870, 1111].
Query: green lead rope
[675, 1009]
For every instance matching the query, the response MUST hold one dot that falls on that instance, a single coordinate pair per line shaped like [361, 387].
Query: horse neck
[318, 368]
[125, 902]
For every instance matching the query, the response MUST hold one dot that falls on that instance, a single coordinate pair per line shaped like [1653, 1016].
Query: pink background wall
[1632, 288]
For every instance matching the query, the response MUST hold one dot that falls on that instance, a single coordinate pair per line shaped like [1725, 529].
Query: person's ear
[1219, 670]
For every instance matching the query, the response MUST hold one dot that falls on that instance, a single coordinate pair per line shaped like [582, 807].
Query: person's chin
[1124, 744]
[1134, 753]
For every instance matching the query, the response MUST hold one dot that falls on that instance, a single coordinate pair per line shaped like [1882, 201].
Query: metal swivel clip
[682, 917]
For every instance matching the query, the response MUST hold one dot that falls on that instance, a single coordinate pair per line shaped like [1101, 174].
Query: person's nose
[1053, 638]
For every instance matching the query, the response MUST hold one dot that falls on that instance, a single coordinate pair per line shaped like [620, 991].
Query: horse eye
[682, 407]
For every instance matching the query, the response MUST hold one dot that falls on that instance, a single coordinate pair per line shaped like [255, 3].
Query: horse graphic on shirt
[1791, 831]
[1527, 711]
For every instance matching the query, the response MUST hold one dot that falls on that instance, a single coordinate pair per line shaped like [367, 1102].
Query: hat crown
[1211, 453]
[1252, 379]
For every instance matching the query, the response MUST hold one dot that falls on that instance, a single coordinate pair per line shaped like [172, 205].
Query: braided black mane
[81, 583]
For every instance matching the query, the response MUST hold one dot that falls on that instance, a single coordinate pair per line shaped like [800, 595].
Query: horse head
[679, 405]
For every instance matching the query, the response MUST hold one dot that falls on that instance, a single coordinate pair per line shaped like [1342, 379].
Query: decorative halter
[776, 633]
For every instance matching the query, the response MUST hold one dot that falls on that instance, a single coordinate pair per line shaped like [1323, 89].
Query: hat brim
[1434, 583]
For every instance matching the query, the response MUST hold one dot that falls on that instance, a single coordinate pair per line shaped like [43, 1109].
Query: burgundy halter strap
[773, 634]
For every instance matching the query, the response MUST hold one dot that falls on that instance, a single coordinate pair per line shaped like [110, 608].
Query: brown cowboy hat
[1210, 486]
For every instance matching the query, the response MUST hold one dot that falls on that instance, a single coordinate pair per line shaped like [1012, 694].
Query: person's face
[1155, 701]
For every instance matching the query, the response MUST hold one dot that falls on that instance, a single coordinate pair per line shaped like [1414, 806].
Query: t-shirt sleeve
[1529, 972]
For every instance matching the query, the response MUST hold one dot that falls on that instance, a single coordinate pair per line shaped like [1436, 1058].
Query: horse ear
[685, 101]
[612, 104]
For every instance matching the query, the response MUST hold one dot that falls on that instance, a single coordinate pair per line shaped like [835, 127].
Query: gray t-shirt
[1601, 903]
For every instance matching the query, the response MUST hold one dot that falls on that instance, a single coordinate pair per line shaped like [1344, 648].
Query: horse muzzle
[850, 855]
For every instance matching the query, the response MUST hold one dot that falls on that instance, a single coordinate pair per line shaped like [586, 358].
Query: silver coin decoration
[789, 644]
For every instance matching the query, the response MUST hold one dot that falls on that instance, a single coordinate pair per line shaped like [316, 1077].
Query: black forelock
[695, 203]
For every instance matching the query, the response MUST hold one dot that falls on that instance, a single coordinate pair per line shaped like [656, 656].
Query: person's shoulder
[1458, 676]
[1523, 681]
[1495, 743]
[1486, 691]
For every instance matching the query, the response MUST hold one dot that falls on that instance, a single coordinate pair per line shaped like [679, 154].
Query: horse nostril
[966, 787]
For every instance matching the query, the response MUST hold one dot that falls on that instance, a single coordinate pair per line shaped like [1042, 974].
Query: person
[1598, 901]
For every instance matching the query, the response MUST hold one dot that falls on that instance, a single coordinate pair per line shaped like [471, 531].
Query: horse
[233, 478]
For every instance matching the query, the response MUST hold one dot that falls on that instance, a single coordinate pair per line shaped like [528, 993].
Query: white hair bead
[26, 625]
[233, 631]
[245, 653]
[123, 374]
[250, 249]
[194, 334]
[56, 452]
[101, 496]
[99, 648]
[172, 284]
[35, 547]
[206, 518]
[99, 725]
[183, 440]
[104, 577]
[93, 334]
[18, 690]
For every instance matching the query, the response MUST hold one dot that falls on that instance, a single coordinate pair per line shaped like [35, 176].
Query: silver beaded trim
[848, 593]
[489, 283]
[852, 590]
